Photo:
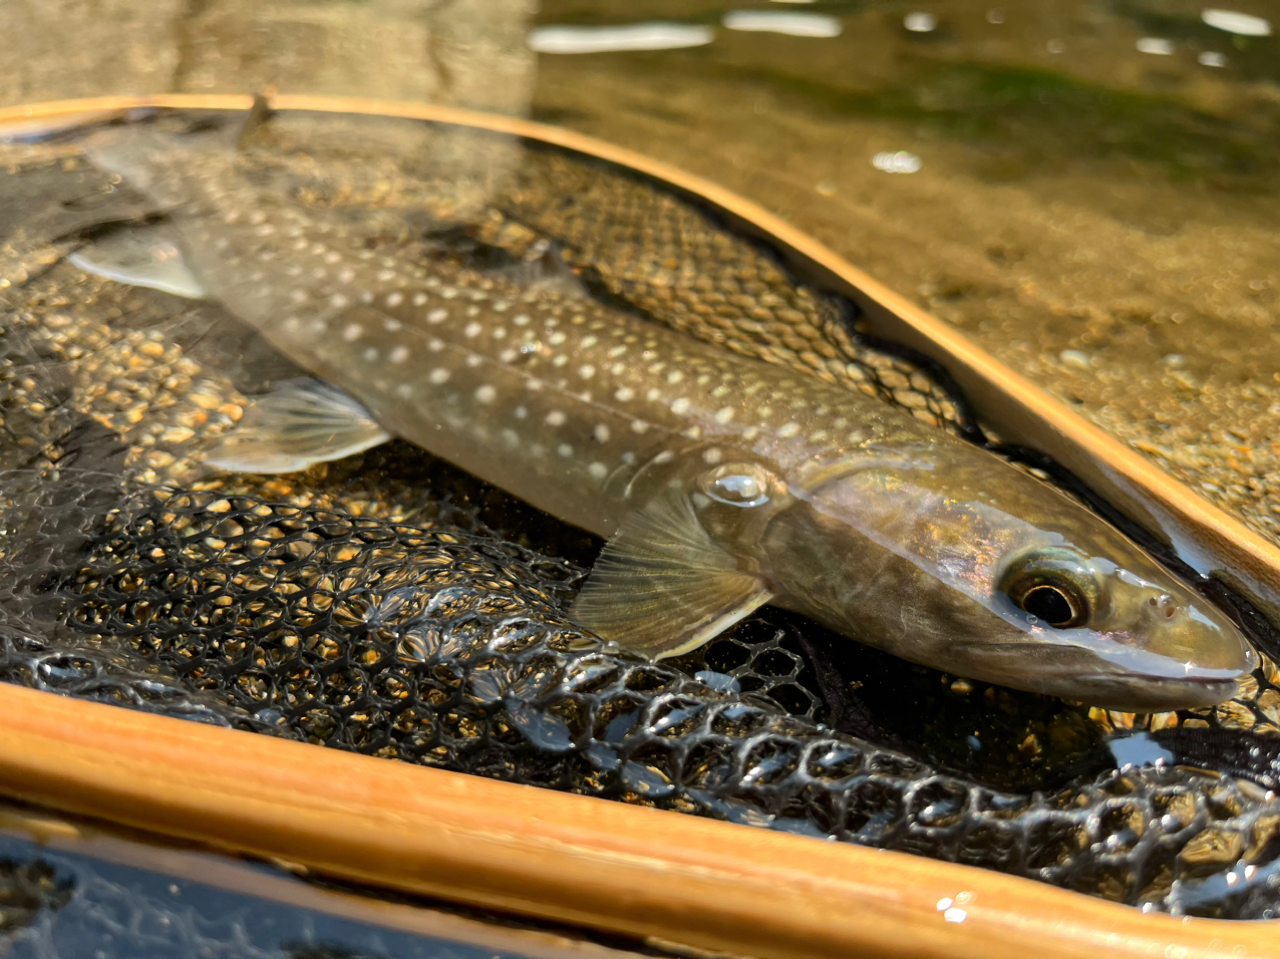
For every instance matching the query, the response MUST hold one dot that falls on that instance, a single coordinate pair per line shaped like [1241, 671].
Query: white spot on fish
[435, 345]
[419, 299]
[712, 457]
[666, 456]
[788, 429]
[628, 457]
[598, 471]
[439, 375]
[472, 330]
[352, 332]
[371, 354]
[346, 275]
[391, 324]
[565, 450]
[486, 393]
[639, 426]
[652, 394]
[473, 311]
[437, 315]
[474, 360]
[560, 360]
[818, 436]
[385, 276]
[616, 352]
[298, 296]
[332, 257]
[395, 299]
[398, 354]
[366, 296]
[586, 371]
[674, 377]
[557, 338]
[520, 319]
[601, 433]
[589, 341]
[501, 306]
[555, 418]
[680, 406]
[338, 301]
[624, 393]
[724, 415]
[693, 432]
[508, 355]
[520, 412]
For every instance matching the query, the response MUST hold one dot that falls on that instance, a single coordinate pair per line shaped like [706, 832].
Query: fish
[719, 482]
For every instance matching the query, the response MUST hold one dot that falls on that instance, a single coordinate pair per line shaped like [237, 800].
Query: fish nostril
[1165, 604]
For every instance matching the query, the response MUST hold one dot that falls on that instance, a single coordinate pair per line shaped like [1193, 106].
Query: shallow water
[1088, 190]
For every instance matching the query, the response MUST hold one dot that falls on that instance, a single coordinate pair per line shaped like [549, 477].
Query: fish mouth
[1136, 681]
[1157, 694]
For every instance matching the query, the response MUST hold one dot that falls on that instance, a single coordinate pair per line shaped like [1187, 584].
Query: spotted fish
[720, 483]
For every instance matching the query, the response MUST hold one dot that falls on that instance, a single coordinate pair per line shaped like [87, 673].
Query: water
[1088, 190]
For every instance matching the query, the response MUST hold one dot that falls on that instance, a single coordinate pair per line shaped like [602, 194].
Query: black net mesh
[391, 605]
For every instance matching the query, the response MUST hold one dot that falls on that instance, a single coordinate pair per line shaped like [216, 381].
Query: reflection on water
[635, 36]
[789, 24]
[1241, 24]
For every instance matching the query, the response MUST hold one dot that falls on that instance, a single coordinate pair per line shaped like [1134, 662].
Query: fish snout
[1196, 637]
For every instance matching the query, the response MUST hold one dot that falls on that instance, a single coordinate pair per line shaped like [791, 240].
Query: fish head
[981, 570]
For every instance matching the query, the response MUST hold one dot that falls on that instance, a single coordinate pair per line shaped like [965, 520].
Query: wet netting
[391, 605]
[75, 898]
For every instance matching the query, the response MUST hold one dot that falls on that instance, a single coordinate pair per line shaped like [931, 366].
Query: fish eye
[737, 484]
[1051, 605]
[1051, 585]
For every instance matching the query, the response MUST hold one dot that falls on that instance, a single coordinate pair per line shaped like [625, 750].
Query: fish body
[720, 482]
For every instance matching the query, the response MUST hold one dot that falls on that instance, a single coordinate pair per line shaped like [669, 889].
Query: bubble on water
[1155, 45]
[896, 162]
[920, 22]
[1241, 24]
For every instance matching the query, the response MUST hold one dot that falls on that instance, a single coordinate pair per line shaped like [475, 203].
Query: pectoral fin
[140, 256]
[301, 423]
[662, 586]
